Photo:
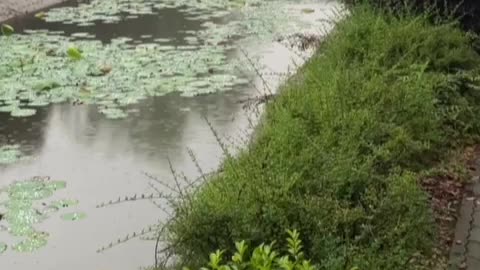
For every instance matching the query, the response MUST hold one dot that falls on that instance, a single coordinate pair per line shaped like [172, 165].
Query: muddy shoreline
[12, 8]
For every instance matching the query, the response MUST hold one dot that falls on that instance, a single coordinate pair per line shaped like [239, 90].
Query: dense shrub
[466, 12]
[339, 152]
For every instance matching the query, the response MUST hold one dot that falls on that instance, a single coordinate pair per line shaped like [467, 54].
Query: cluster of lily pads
[41, 67]
[24, 208]
[112, 11]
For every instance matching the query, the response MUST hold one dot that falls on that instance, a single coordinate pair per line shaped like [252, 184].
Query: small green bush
[263, 257]
[339, 152]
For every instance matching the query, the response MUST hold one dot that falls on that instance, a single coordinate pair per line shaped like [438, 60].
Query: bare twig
[154, 178]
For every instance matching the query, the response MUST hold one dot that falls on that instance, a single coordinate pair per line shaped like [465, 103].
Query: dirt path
[12, 8]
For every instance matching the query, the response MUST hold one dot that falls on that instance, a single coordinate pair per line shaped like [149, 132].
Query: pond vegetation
[39, 67]
[10, 154]
[25, 206]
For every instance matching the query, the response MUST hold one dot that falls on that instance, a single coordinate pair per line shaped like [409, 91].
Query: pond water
[101, 159]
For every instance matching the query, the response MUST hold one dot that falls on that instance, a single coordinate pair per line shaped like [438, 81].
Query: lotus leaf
[74, 53]
[63, 203]
[9, 153]
[6, 29]
[34, 241]
[74, 216]
[3, 247]
[22, 112]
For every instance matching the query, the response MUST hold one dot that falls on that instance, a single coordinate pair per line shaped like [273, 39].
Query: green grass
[339, 153]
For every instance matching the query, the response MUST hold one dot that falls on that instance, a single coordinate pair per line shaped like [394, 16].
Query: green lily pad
[114, 113]
[63, 203]
[74, 216]
[8, 108]
[10, 154]
[3, 247]
[74, 53]
[41, 15]
[23, 112]
[6, 29]
[21, 214]
[46, 85]
[55, 185]
[33, 242]
[308, 10]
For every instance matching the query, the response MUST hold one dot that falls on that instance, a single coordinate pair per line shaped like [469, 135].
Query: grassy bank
[340, 151]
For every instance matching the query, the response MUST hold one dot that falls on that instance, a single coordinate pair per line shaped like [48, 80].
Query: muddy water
[101, 159]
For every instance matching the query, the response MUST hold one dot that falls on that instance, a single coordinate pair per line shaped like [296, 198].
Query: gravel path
[12, 8]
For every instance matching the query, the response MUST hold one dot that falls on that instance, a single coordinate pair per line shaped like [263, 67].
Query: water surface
[103, 159]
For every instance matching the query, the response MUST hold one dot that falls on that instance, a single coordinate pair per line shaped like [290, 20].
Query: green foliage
[339, 151]
[263, 257]
[74, 53]
[7, 30]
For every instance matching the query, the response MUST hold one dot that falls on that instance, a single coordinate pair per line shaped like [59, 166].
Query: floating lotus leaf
[3, 247]
[22, 112]
[113, 113]
[10, 154]
[17, 229]
[55, 185]
[41, 15]
[25, 216]
[74, 216]
[63, 203]
[39, 102]
[308, 10]
[8, 108]
[34, 241]
[29, 190]
[6, 29]
[74, 53]
[81, 35]
[17, 204]
[21, 213]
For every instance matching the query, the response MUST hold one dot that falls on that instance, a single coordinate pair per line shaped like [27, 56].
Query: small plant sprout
[263, 257]
[237, 258]
[295, 244]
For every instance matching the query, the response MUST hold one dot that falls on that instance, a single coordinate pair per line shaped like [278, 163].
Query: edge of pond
[10, 9]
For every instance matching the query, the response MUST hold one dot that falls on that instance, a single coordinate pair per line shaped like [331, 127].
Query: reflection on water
[102, 159]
